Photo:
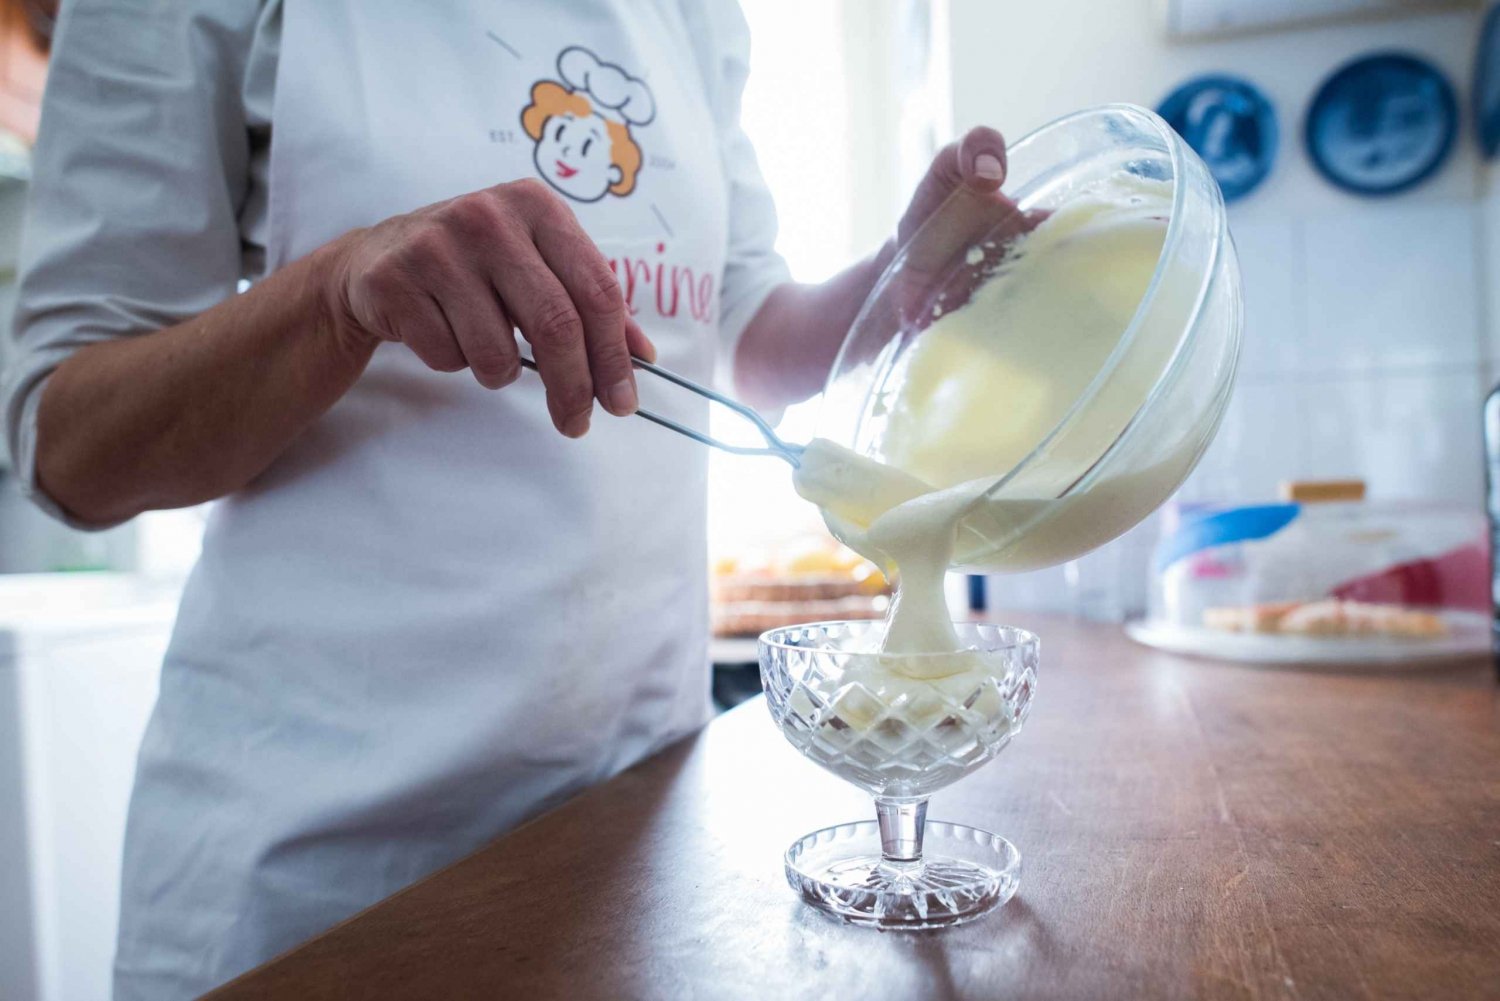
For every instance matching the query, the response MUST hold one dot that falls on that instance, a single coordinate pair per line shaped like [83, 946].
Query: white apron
[435, 616]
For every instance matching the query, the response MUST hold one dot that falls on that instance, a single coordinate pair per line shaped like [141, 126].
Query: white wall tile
[1257, 446]
[1274, 335]
[1037, 591]
[1407, 436]
[1489, 262]
[1414, 436]
[1392, 287]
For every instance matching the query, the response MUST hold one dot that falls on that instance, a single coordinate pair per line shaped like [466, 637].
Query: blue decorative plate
[1230, 124]
[1487, 84]
[1382, 124]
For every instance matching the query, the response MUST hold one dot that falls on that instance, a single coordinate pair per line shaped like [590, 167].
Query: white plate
[1468, 637]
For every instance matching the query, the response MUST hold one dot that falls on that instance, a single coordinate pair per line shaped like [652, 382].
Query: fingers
[942, 177]
[421, 293]
[981, 159]
[484, 332]
[956, 205]
[545, 313]
[423, 328]
[474, 321]
[640, 345]
[598, 302]
[976, 164]
[384, 302]
[540, 305]
[454, 281]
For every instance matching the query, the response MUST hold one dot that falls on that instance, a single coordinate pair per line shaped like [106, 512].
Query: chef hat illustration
[614, 93]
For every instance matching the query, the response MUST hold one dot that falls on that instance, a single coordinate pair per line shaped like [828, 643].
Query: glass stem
[901, 824]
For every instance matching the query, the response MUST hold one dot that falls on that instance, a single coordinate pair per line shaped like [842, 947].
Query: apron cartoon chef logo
[582, 126]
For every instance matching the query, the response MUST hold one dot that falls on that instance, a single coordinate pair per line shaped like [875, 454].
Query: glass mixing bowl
[1141, 422]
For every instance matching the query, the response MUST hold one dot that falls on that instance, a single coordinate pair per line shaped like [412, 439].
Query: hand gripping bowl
[1119, 439]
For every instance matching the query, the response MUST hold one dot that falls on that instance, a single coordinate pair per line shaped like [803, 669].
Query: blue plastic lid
[1240, 524]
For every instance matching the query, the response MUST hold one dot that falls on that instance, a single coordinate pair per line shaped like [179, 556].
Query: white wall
[1017, 66]
[842, 112]
[1366, 343]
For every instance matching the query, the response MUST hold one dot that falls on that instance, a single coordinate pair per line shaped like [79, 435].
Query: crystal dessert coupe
[900, 726]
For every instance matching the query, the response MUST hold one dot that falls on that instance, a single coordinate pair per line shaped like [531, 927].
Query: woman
[420, 617]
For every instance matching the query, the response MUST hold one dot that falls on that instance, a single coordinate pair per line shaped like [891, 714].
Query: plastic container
[1182, 343]
[1315, 582]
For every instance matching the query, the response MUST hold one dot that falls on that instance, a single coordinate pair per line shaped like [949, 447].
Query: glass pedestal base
[963, 873]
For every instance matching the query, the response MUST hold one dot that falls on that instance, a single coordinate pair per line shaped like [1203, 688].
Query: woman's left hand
[974, 165]
[786, 351]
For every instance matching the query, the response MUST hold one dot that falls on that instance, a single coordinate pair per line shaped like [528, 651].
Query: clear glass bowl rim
[1024, 640]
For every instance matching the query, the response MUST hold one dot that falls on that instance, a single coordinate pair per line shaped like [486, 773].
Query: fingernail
[620, 398]
[577, 426]
[989, 167]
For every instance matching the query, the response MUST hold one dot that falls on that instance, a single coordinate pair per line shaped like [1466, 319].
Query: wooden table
[1189, 829]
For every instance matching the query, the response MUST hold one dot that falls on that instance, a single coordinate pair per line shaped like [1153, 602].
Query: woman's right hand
[453, 282]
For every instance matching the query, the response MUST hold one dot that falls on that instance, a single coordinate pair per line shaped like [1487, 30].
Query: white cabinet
[79, 661]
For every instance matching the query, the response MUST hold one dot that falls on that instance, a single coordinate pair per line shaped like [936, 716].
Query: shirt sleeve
[139, 175]
[752, 267]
